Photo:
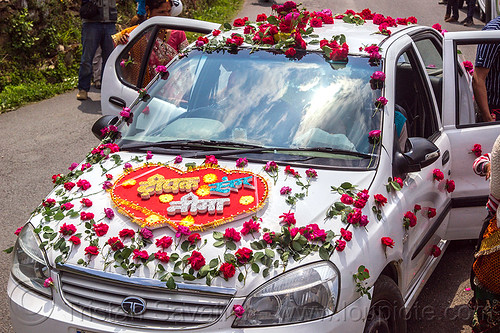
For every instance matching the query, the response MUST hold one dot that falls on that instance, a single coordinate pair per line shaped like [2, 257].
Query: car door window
[132, 60]
[432, 55]
[413, 98]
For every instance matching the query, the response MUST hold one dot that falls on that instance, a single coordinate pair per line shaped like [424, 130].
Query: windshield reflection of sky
[264, 99]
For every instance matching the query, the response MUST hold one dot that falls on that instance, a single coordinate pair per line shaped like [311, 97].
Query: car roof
[357, 36]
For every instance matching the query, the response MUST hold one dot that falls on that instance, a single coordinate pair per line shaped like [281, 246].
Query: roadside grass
[15, 96]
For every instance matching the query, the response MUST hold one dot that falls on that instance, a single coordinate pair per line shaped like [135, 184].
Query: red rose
[290, 52]
[232, 234]
[243, 255]
[127, 233]
[346, 199]
[431, 212]
[163, 242]
[196, 260]
[239, 22]
[261, 17]
[477, 150]
[435, 251]
[380, 199]
[227, 270]
[340, 245]
[115, 243]
[450, 185]
[101, 229]
[346, 234]
[316, 23]
[55, 178]
[416, 208]
[410, 220]
[359, 204]
[162, 256]
[86, 202]
[249, 227]
[268, 237]
[387, 241]
[216, 32]
[91, 250]
[193, 238]
[49, 203]
[75, 240]
[69, 185]
[288, 218]
[67, 229]
[84, 216]
[140, 254]
[399, 181]
[437, 175]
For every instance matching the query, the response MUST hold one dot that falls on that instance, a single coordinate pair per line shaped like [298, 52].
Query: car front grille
[101, 298]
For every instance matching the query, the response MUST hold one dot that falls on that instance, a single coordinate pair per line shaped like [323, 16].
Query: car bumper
[33, 313]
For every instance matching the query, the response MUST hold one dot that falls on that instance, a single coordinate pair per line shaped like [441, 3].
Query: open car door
[459, 121]
[130, 67]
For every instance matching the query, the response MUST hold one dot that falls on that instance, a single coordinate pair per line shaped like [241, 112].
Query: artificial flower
[477, 150]
[431, 212]
[67, 206]
[216, 32]
[48, 203]
[340, 245]
[241, 162]
[311, 173]
[18, 231]
[285, 190]
[437, 175]
[346, 199]
[73, 166]
[232, 234]
[83, 184]
[249, 227]
[85, 216]
[182, 231]
[69, 185]
[268, 237]
[435, 251]
[48, 282]
[149, 155]
[211, 160]
[409, 220]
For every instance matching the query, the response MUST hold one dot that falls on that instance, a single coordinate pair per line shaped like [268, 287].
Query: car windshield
[304, 106]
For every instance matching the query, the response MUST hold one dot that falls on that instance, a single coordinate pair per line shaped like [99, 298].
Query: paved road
[42, 139]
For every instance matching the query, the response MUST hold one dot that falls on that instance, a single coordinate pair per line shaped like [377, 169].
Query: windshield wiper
[182, 144]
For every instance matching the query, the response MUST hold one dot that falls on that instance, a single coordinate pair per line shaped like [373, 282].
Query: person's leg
[97, 67]
[107, 45]
[448, 11]
[454, 9]
[471, 5]
[90, 41]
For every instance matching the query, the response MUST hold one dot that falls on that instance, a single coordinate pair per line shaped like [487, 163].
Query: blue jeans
[471, 5]
[93, 35]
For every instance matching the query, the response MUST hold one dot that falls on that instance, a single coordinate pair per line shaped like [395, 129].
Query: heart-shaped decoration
[156, 195]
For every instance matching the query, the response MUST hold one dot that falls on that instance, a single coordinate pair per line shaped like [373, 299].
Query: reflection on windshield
[263, 99]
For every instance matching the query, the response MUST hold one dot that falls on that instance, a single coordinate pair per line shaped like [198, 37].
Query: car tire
[387, 311]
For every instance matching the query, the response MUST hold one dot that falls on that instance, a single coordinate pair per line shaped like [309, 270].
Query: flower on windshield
[211, 160]
[241, 162]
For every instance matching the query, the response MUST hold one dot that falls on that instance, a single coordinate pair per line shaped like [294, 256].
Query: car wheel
[387, 312]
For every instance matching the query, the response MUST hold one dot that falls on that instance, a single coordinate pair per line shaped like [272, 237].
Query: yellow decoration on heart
[187, 221]
[152, 219]
[210, 178]
[166, 198]
[203, 191]
[246, 200]
[129, 183]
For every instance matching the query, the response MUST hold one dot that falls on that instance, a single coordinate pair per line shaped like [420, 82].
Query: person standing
[451, 11]
[486, 77]
[471, 5]
[96, 31]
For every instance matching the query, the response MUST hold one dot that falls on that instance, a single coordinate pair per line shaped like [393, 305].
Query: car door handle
[446, 157]
[117, 101]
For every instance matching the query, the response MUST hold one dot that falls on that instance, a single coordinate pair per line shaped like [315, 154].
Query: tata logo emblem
[134, 305]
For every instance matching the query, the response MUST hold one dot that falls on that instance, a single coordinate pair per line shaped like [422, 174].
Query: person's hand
[123, 39]
[487, 170]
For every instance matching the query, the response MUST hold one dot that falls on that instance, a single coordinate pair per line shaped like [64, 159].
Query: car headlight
[29, 264]
[302, 294]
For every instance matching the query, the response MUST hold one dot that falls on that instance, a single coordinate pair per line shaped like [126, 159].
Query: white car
[263, 187]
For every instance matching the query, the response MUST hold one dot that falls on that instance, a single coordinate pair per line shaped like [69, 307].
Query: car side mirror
[101, 123]
[421, 153]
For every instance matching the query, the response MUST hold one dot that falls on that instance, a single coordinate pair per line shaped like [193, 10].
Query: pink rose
[340, 245]
[67, 229]
[238, 310]
[164, 242]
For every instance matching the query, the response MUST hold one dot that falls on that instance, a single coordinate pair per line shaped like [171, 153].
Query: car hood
[112, 208]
